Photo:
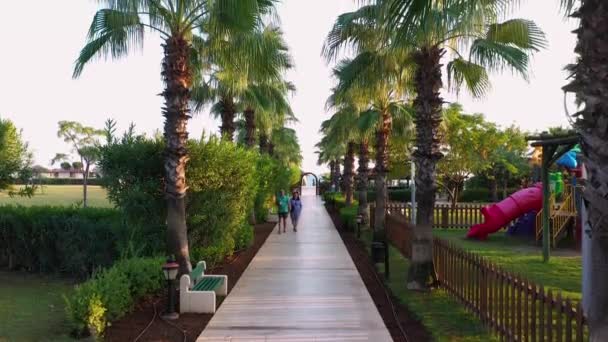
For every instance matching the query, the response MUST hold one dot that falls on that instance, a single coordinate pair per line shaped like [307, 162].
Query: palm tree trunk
[590, 84]
[228, 113]
[493, 189]
[427, 106]
[177, 77]
[382, 136]
[249, 127]
[263, 143]
[362, 175]
[349, 175]
[338, 175]
[332, 176]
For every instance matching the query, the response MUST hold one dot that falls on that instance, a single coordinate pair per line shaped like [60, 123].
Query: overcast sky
[40, 40]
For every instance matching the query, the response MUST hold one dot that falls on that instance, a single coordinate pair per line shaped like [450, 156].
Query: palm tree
[380, 76]
[244, 64]
[120, 26]
[340, 132]
[429, 28]
[590, 85]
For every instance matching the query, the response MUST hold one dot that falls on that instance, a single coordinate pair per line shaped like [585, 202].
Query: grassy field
[32, 308]
[443, 316]
[59, 195]
[563, 272]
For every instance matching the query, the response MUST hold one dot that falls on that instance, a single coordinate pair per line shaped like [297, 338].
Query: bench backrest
[198, 272]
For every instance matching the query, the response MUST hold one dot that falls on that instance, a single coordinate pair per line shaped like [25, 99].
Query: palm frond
[522, 33]
[112, 33]
[473, 76]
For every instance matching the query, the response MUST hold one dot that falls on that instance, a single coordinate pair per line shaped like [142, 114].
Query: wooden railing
[462, 215]
[512, 306]
[560, 217]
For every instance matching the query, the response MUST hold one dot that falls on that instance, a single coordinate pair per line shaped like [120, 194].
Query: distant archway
[304, 174]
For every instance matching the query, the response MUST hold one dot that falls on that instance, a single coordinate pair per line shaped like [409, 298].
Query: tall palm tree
[340, 131]
[244, 65]
[429, 28]
[380, 75]
[590, 84]
[119, 27]
[330, 150]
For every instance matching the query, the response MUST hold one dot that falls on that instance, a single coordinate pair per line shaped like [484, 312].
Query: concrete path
[300, 287]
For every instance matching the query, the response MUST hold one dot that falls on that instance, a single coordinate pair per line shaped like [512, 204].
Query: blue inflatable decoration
[568, 160]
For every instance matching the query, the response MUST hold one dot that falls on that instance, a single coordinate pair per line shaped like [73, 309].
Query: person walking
[295, 206]
[283, 204]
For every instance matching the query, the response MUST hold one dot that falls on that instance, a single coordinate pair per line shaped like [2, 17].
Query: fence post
[444, 216]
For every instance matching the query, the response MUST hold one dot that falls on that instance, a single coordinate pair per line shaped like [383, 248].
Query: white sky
[39, 46]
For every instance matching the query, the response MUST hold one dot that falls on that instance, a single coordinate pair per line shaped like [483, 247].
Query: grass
[32, 308]
[563, 272]
[59, 195]
[443, 316]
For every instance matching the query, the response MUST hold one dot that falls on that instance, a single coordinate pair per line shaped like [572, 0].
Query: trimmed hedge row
[348, 213]
[72, 241]
[111, 293]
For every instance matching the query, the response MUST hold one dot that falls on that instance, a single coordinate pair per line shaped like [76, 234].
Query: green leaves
[112, 34]
[474, 76]
[14, 156]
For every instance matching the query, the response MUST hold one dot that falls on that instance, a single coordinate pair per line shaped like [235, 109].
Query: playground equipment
[502, 213]
[552, 217]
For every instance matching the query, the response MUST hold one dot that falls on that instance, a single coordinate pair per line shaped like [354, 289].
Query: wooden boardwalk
[300, 287]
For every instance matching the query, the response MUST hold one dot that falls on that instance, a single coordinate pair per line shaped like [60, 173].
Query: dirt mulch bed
[413, 328]
[189, 326]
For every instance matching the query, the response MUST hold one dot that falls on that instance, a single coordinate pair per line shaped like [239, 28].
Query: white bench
[197, 291]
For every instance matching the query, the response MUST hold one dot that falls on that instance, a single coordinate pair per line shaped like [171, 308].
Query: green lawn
[32, 308]
[59, 195]
[563, 272]
[443, 316]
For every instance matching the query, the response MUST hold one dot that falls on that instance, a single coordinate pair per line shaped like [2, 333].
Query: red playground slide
[500, 214]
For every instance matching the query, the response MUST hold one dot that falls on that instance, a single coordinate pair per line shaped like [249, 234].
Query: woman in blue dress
[295, 205]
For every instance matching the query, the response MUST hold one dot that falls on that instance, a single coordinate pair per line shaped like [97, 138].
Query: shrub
[348, 215]
[222, 178]
[111, 293]
[272, 177]
[133, 177]
[54, 239]
[227, 184]
[244, 236]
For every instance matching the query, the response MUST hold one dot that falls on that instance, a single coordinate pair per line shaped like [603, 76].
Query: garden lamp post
[170, 269]
[359, 221]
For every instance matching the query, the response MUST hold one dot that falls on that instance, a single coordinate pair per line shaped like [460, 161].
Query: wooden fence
[515, 308]
[462, 216]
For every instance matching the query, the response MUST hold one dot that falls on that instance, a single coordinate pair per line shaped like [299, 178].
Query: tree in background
[428, 28]
[590, 84]
[85, 143]
[15, 160]
[380, 78]
[119, 28]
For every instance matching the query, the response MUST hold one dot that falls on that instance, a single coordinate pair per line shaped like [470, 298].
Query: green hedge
[348, 215]
[394, 195]
[111, 293]
[73, 241]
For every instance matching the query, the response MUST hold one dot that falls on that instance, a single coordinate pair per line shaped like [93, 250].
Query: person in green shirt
[283, 204]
